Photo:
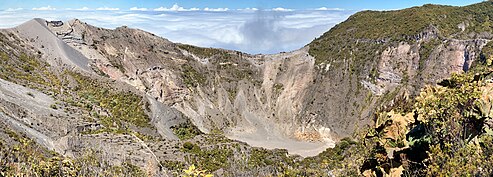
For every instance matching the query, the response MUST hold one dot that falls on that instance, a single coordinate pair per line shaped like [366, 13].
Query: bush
[185, 131]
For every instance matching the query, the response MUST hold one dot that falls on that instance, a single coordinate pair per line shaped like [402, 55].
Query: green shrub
[190, 147]
[23, 157]
[191, 77]
[378, 27]
[487, 54]
[186, 130]
[449, 136]
[124, 107]
[201, 52]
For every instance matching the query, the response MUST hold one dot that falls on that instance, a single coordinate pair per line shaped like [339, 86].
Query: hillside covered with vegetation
[443, 129]
[403, 25]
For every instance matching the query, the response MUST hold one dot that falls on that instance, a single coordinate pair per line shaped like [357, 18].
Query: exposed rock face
[386, 69]
[266, 100]
[400, 70]
[249, 98]
[289, 100]
[29, 110]
[301, 101]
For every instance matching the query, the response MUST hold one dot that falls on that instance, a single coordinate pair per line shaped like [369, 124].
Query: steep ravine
[303, 101]
[289, 96]
[249, 98]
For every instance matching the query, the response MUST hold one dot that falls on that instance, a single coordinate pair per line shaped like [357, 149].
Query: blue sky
[231, 4]
[252, 26]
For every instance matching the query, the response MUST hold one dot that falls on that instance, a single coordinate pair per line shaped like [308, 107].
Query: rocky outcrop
[302, 101]
[258, 98]
[349, 98]
[252, 98]
[302, 97]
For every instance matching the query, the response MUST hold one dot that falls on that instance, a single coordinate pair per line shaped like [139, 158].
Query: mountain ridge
[131, 85]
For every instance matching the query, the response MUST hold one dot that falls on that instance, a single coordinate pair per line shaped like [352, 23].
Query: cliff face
[363, 64]
[351, 91]
[301, 101]
[295, 95]
[355, 71]
[253, 98]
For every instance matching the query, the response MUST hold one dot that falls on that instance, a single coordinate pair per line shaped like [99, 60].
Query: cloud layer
[249, 30]
[45, 8]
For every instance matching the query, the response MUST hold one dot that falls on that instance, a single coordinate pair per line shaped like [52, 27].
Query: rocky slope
[250, 98]
[141, 98]
[365, 62]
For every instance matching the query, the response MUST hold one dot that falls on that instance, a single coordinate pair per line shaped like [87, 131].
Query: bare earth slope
[141, 97]
[249, 98]
[57, 52]
[274, 101]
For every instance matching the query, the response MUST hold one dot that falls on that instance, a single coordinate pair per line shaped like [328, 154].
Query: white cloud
[108, 9]
[83, 9]
[175, 8]
[138, 9]
[216, 9]
[14, 9]
[325, 8]
[248, 31]
[249, 9]
[45, 8]
[280, 9]
[161, 9]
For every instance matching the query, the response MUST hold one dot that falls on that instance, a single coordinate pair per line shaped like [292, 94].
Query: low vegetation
[192, 171]
[118, 111]
[186, 130]
[426, 50]
[388, 27]
[447, 130]
[209, 159]
[20, 156]
[123, 107]
[446, 133]
[29, 71]
[191, 77]
[487, 54]
[202, 52]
